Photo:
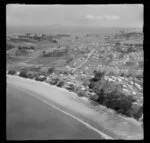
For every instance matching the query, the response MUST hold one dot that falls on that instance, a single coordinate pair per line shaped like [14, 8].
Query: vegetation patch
[12, 72]
[110, 95]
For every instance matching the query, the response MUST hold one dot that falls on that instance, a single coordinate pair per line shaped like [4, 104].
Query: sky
[119, 15]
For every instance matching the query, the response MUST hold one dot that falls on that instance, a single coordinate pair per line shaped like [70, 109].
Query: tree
[139, 113]
[101, 97]
[81, 93]
[110, 95]
[98, 75]
[97, 86]
[118, 101]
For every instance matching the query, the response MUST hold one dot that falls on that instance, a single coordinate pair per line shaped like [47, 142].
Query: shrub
[93, 96]
[23, 74]
[110, 95]
[103, 85]
[40, 78]
[98, 75]
[32, 75]
[131, 98]
[71, 87]
[80, 92]
[11, 72]
[54, 81]
[139, 113]
[124, 105]
[70, 59]
[101, 97]
[51, 70]
[119, 102]
[60, 83]
[136, 111]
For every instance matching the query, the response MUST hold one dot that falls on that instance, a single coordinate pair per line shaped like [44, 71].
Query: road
[102, 122]
[29, 118]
